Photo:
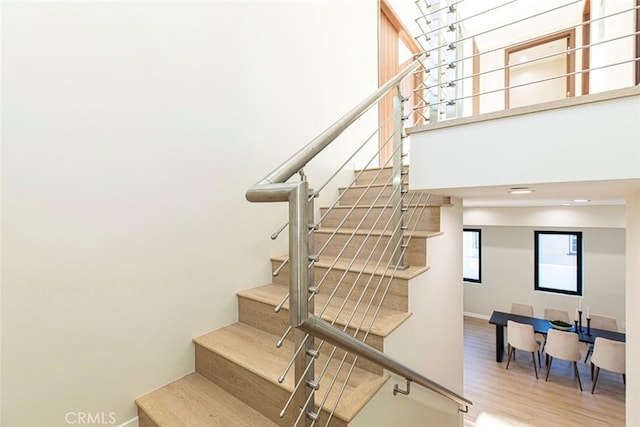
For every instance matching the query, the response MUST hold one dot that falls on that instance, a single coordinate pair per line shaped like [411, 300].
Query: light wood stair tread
[367, 268]
[386, 320]
[374, 232]
[194, 401]
[255, 350]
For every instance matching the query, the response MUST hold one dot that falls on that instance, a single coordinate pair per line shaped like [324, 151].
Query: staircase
[237, 367]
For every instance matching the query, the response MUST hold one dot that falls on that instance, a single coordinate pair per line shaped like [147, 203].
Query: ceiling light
[566, 204]
[520, 190]
[581, 201]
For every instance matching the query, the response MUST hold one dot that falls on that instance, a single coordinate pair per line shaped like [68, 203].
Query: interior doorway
[533, 70]
[396, 48]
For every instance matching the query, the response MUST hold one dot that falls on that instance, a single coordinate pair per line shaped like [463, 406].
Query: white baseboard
[476, 315]
[133, 422]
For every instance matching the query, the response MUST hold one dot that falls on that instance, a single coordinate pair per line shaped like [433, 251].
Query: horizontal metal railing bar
[564, 52]
[444, 27]
[321, 329]
[501, 48]
[296, 162]
[537, 81]
[505, 25]
[437, 10]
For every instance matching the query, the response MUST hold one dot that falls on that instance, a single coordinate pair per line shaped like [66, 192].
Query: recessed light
[566, 204]
[520, 190]
[581, 201]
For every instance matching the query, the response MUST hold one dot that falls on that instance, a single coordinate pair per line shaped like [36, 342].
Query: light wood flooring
[515, 398]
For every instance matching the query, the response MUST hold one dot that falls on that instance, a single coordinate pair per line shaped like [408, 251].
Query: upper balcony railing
[490, 56]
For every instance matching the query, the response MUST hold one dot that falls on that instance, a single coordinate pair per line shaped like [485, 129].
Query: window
[471, 261]
[558, 262]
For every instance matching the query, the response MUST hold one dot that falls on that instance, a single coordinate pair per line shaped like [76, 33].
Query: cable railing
[607, 37]
[341, 275]
[360, 256]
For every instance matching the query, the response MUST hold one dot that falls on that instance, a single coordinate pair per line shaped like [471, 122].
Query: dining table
[542, 326]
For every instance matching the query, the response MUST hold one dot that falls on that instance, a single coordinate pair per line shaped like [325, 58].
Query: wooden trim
[476, 77]
[570, 35]
[637, 43]
[586, 41]
[403, 32]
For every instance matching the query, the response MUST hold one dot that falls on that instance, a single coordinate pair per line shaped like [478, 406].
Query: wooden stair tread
[374, 232]
[386, 321]
[194, 401]
[358, 265]
[255, 350]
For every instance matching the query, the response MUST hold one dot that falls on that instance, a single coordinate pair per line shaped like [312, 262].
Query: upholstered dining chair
[565, 346]
[522, 337]
[557, 314]
[606, 323]
[609, 355]
[522, 309]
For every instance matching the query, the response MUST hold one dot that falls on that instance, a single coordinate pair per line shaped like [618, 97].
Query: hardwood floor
[515, 398]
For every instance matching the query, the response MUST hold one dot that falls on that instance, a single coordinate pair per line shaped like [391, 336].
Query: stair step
[369, 176]
[246, 363]
[386, 321]
[346, 273]
[366, 194]
[381, 194]
[419, 218]
[371, 245]
[193, 401]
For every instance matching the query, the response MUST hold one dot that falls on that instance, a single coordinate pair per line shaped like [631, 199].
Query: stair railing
[380, 264]
[448, 28]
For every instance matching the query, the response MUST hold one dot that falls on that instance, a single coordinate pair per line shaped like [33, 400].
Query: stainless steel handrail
[274, 188]
[321, 329]
[296, 162]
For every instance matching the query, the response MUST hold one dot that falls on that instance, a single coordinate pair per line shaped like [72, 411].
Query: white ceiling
[597, 192]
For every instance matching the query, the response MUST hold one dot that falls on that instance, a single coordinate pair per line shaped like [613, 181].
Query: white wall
[633, 311]
[567, 141]
[544, 91]
[508, 273]
[422, 343]
[613, 51]
[131, 133]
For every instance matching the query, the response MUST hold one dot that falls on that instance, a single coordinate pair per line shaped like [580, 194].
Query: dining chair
[522, 337]
[606, 323]
[522, 309]
[609, 355]
[556, 314]
[564, 346]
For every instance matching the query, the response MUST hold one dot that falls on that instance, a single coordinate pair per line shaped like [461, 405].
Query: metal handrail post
[397, 190]
[299, 254]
